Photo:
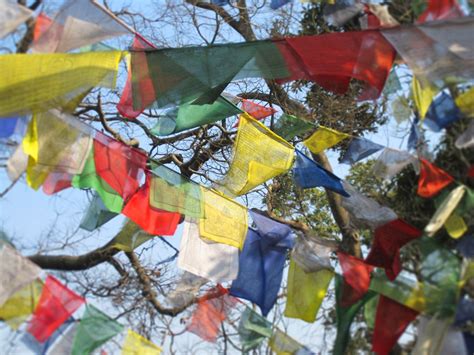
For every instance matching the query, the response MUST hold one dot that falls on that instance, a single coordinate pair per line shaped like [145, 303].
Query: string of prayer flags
[465, 102]
[360, 148]
[253, 329]
[324, 138]
[259, 155]
[308, 173]
[213, 261]
[12, 15]
[442, 113]
[391, 320]
[312, 254]
[77, 24]
[261, 262]
[211, 311]
[306, 292]
[95, 328]
[432, 179]
[388, 240]
[96, 215]
[356, 278]
[422, 96]
[440, 10]
[135, 344]
[57, 303]
[38, 82]
[289, 126]
[465, 246]
[466, 139]
[283, 344]
[391, 161]
[15, 272]
[130, 237]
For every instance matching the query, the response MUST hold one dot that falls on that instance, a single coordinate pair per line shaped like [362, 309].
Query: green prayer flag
[130, 237]
[253, 329]
[289, 126]
[96, 215]
[95, 328]
[370, 310]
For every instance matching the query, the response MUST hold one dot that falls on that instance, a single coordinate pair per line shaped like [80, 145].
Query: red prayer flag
[389, 239]
[356, 275]
[56, 304]
[255, 110]
[432, 179]
[391, 320]
[56, 182]
[42, 24]
[470, 173]
[440, 10]
[121, 166]
[151, 220]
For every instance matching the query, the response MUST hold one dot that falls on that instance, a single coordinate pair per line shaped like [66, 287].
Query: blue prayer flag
[414, 136]
[7, 126]
[276, 4]
[465, 246]
[261, 262]
[442, 112]
[359, 149]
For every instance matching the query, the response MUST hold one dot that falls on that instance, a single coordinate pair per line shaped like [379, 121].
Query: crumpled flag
[312, 254]
[307, 174]
[442, 113]
[388, 240]
[189, 115]
[276, 4]
[339, 13]
[423, 96]
[130, 237]
[465, 102]
[356, 278]
[466, 139]
[214, 261]
[211, 311]
[77, 24]
[95, 328]
[464, 312]
[345, 316]
[151, 220]
[465, 246]
[443, 51]
[391, 320]
[259, 155]
[170, 191]
[306, 292]
[445, 210]
[253, 329]
[359, 149]
[289, 126]
[12, 15]
[440, 10]
[225, 220]
[135, 344]
[364, 211]
[255, 110]
[38, 82]
[96, 215]
[282, 344]
[262, 261]
[401, 109]
[57, 303]
[17, 163]
[186, 289]
[391, 162]
[21, 304]
[432, 179]
[324, 138]
[16, 272]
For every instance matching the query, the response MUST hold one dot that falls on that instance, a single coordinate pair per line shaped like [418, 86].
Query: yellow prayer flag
[465, 102]
[135, 344]
[225, 221]
[38, 82]
[130, 237]
[416, 300]
[34, 177]
[259, 155]
[455, 226]
[324, 138]
[283, 344]
[422, 96]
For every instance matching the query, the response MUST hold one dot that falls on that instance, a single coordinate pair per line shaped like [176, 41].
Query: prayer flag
[313, 254]
[324, 138]
[393, 84]
[283, 344]
[135, 344]
[356, 278]
[255, 110]
[466, 139]
[432, 179]
[276, 4]
[422, 96]
[338, 13]
[96, 215]
[401, 109]
[440, 10]
[465, 102]
[414, 136]
[253, 330]
[391, 162]
[289, 126]
[12, 15]
[37, 347]
[64, 344]
[17, 163]
[130, 237]
[442, 113]
[359, 149]
[186, 289]
[56, 182]
[10, 126]
[465, 246]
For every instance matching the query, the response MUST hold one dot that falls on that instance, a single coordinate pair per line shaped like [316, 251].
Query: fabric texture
[442, 113]
[130, 237]
[401, 109]
[17, 163]
[359, 149]
[423, 96]
[282, 344]
[437, 337]
[465, 102]
[312, 254]
[356, 278]
[12, 15]
[289, 126]
[391, 162]
[432, 179]
[64, 344]
[135, 344]
[255, 110]
[186, 289]
[324, 138]
[96, 215]
[253, 329]
[440, 10]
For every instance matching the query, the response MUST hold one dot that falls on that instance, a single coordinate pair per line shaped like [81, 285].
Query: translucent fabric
[339, 13]
[17, 163]
[356, 278]
[465, 102]
[379, 16]
[15, 272]
[135, 344]
[465, 246]
[185, 74]
[324, 138]
[130, 237]
[256, 110]
[64, 344]
[262, 261]
[432, 179]
[359, 149]
[121, 166]
[445, 209]
[150, 219]
[388, 240]
[225, 220]
[253, 329]
[283, 344]
[96, 215]
[12, 126]
[56, 182]
[423, 96]
[289, 126]
[187, 287]
[78, 23]
[442, 113]
[312, 254]
[95, 328]
[401, 109]
[370, 309]
[38, 82]
[391, 162]
[259, 155]
[188, 116]
[466, 139]
[57, 303]
[365, 212]
[306, 292]
[211, 311]
[35, 347]
[440, 10]
[391, 320]
[21, 304]
[393, 84]
[12, 15]
[436, 52]
[307, 174]
[213, 261]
